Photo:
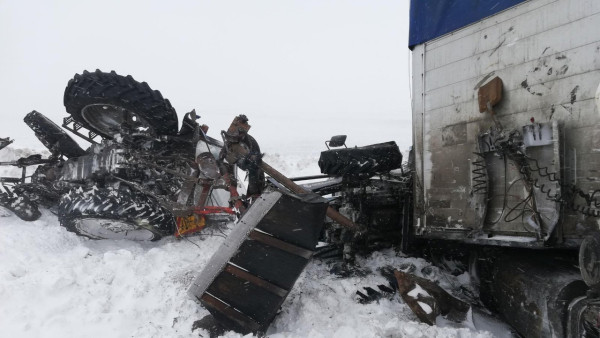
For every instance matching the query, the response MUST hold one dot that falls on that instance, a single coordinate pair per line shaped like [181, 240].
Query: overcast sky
[300, 70]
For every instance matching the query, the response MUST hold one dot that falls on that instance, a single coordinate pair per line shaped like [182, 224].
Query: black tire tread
[111, 88]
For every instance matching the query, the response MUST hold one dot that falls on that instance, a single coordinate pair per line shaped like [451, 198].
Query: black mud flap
[248, 278]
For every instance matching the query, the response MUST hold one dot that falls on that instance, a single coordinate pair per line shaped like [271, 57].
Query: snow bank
[323, 305]
[55, 284]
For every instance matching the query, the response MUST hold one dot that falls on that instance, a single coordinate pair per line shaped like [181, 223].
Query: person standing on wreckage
[235, 137]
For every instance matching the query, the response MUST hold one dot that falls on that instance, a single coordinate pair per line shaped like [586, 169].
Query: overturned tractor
[140, 178]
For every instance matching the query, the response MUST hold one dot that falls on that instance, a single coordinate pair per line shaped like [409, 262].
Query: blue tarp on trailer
[432, 18]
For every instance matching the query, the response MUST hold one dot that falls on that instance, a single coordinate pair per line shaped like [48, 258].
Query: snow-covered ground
[56, 284]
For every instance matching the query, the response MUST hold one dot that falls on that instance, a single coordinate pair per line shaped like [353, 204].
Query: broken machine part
[250, 275]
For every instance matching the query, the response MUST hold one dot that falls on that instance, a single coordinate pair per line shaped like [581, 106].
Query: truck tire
[102, 102]
[52, 136]
[20, 206]
[367, 160]
[589, 260]
[100, 213]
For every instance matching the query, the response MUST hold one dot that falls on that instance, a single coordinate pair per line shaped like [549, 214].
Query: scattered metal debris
[428, 300]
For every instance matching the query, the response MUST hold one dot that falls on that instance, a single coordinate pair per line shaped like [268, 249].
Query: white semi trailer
[506, 127]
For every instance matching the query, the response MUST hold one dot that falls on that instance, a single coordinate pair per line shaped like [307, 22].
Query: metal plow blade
[248, 278]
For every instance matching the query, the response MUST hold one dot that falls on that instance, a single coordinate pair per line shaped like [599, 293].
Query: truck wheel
[38, 194]
[589, 260]
[114, 214]
[52, 136]
[102, 102]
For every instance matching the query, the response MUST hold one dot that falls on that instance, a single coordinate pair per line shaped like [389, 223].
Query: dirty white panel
[418, 100]
[547, 52]
[527, 52]
[460, 38]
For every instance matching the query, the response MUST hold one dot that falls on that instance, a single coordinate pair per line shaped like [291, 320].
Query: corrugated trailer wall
[547, 54]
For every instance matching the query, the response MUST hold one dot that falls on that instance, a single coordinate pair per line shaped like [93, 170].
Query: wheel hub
[108, 119]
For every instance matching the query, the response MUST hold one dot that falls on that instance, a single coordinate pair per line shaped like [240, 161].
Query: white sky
[301, 70]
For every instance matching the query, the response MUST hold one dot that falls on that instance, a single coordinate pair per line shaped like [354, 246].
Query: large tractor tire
[102, 102]
[52, 136]
[109, 213]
